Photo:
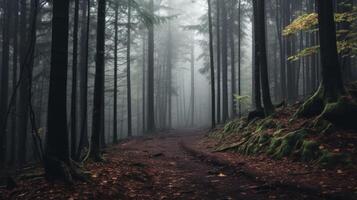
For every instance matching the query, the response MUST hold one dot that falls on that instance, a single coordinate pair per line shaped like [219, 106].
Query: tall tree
[98, 109]
[239, 55]
[224, 62]
[192, 60]
[328, 102]
[213, 96]
[218, 30]
[57, 145]
[150, 93]
[74, 81]
[4, 71]
[268, 106]
[115, 109]
[232, 56]
[15, 22]
[84, 51]
[256, 65]
[128, 61]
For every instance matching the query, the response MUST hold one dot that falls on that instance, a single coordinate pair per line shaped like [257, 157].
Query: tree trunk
[57, 147]
[268, 106]
[192, 60]
[213, 96]
[74, 82]
[83, 141]
[115, 109]
[232, 48]
[224, 62]
[257, 94]
[14, 78]
[128, 58]
[4, 80]
[151, 114]
[218, 29]
[239, 57]
[98, 112]
[331, 70]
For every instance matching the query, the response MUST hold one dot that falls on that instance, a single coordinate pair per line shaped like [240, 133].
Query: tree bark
[128, 58]
[218, 29]
[98, 110]
[57, 145]
[74, 81]
[115, 109]
[224, 62]
[213, 96]
[268, 106]
[83, 141]
[151, 106]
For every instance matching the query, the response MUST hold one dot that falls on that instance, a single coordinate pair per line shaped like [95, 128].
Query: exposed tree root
[342, 113]
[256, 114]
[66, 171]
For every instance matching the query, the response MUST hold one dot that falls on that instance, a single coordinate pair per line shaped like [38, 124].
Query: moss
[342, 113]
[330, 160]
[279, 133]
[309, 150]
[289, 143]
[274, 144]
[313, 106]
[265, 124]
[323, 126]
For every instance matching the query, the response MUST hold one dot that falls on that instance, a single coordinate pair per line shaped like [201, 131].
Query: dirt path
[154, 168]
[167, 171]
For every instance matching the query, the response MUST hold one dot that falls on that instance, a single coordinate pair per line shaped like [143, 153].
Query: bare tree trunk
[98, 112]
[4, 90]
[83, 141]
[213, 96]
[74, 82]
[224, 62]
[192, 60]
[128, 58]
[268, 106]
[57, 146]
[151, 114]
[218, 29]
[233, 67]
[115, 109]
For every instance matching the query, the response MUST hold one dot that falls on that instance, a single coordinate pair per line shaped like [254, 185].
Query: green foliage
[346, 38]
[302, 23]
[245, 99]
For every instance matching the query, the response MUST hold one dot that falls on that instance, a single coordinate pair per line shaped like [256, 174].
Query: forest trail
[168, 171]
[156, 167]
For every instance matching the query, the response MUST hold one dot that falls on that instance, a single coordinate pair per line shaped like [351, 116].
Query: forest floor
[181, 165]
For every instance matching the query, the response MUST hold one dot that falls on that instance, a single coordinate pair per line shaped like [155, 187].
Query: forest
[178, 99]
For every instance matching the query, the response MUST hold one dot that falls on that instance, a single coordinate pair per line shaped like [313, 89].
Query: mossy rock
[330, 160]
[289, 143]
[309, 150]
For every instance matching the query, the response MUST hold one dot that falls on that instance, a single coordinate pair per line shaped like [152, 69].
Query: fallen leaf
[221, 175]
